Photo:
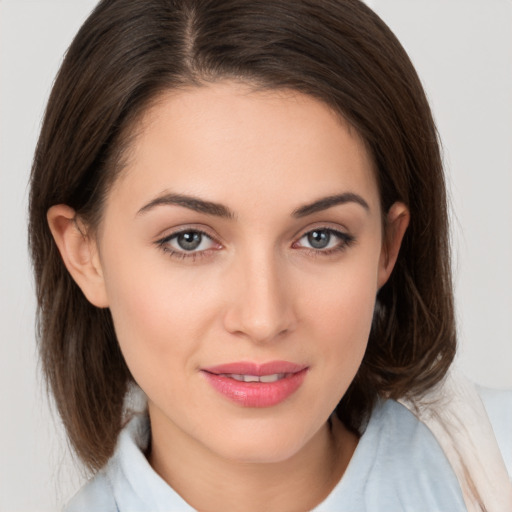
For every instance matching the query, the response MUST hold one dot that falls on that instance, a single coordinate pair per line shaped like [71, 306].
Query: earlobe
[79, 253]
[397, 221]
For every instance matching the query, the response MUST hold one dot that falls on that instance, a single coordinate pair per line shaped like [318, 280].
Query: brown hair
[338, 51]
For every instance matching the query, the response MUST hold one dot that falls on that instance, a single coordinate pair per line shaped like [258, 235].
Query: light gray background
[463, 52]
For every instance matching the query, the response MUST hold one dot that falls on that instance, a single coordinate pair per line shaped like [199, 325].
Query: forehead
[232, 142]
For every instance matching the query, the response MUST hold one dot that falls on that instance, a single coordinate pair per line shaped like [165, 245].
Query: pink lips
[253, 385]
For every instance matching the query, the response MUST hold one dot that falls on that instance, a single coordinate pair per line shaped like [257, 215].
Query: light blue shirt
[397, 466]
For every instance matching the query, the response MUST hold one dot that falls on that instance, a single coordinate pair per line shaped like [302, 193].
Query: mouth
[253, 385]
[274, 377]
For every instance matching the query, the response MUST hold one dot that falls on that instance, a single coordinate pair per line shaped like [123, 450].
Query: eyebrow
[219, 210]
[328, 202]
[190, 202]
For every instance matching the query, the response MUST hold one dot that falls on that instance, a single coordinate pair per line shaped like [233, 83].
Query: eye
[324, 240]
[190, 242]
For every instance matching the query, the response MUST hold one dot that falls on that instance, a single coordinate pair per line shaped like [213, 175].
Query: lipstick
[256, 385]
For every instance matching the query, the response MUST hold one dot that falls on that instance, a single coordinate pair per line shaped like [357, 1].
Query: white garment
[397, 466]
[474, 428]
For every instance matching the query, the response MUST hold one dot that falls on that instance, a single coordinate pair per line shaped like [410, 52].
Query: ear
[79, 252]
[396, 222]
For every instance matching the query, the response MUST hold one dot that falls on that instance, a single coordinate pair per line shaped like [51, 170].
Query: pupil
[319, 239]
[189, 241]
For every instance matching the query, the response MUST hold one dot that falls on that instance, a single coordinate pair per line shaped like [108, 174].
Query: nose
[261, 300]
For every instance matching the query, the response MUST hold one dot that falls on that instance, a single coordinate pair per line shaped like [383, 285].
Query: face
[240, 254]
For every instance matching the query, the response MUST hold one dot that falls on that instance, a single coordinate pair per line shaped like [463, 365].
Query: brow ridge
[328, 202]
[219, 210]
[190, 202]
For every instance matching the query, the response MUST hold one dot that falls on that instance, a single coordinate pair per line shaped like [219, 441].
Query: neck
[212, 483]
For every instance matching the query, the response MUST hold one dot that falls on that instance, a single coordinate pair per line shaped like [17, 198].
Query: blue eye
[190, 241]
[319, 239]
[325, 240]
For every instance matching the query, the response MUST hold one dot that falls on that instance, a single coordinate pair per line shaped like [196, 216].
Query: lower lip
[256, 394]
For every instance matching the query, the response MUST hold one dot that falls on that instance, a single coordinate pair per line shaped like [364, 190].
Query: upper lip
[257, 369]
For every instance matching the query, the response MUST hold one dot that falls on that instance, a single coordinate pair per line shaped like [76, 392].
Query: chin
[261, 444]
[261, 453]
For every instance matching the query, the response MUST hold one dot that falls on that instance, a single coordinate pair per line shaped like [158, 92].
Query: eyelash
[345, 241]
[192, 256]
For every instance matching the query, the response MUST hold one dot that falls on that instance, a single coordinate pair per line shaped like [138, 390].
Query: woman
[238, 210]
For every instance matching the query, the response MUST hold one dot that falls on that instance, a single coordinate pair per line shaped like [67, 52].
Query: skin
[254, 290]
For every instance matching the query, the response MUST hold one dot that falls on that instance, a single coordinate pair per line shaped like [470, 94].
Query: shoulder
[403, 443]
[411, 470]
[473, 427]
[128, 482]
[95, 495]
[498, 405]
[398, 465]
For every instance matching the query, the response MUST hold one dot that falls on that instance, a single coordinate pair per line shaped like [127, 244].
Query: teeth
[271, 378]
[234, 376]
[255, 378]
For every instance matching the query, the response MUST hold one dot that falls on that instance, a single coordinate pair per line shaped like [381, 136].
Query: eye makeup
[192, 243]
[324, 241]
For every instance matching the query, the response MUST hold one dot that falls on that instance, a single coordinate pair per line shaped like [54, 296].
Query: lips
[252, 385]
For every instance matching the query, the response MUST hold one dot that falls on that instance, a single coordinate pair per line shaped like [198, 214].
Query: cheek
[341, 314]
[344, 304]
[159, 315]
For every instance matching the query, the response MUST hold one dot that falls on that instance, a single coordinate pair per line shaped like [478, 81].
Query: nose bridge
[261, 307]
